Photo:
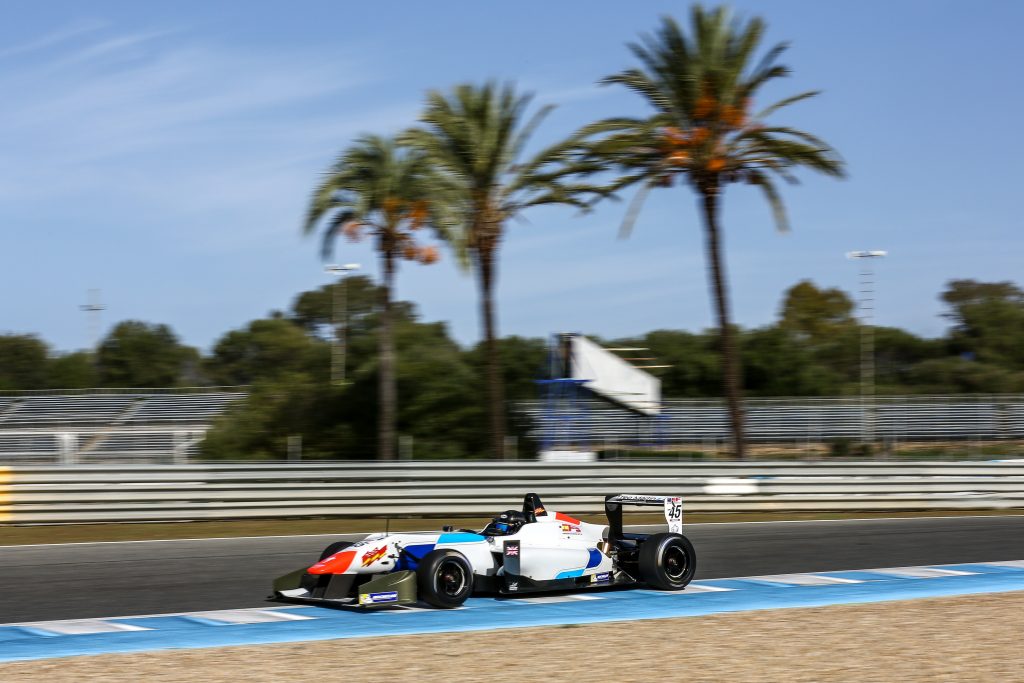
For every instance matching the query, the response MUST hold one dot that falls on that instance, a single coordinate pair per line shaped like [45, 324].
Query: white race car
[535, 549]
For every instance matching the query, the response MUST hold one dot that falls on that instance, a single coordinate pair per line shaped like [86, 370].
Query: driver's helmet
[508, 522]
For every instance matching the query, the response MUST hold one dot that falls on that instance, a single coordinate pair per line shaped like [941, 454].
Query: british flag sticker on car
[511, 558]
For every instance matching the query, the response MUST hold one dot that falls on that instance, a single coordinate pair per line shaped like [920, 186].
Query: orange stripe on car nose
[335, 564]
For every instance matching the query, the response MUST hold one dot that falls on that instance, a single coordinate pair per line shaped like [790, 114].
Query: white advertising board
[613, 378]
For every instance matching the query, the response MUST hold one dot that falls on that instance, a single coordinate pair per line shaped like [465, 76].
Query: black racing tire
[334, 548]
[667, 561]
[444, 578]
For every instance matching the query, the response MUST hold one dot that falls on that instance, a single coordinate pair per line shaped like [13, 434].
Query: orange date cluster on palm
[352, 230]
[423, 254]
[415, 212]
[724, 114]
[682, 149]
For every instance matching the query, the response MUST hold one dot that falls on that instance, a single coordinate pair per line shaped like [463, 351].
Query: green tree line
[811, 349]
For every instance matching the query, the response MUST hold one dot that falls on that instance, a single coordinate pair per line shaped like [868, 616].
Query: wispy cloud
[135, 108]
[53, 38]
[112, 46]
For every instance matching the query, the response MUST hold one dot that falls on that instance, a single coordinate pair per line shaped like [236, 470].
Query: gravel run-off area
[974, 638]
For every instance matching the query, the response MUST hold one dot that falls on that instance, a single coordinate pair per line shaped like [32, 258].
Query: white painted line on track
[409, 609]
[851, 519]
[365, 533]
[698, 588]
[82, 627]
[919, 572]
[157, 614]
[543, 600]
[185, 540]
[248, 616]
[805, 579]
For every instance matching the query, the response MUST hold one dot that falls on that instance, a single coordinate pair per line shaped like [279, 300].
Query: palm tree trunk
[730, 352]
[495, 381]
[386, 351]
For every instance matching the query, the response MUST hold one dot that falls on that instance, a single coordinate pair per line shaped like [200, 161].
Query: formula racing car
[519, 551]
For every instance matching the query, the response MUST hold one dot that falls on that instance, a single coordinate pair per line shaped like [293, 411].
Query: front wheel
[667, 561]
[444, 578]
[334, 548]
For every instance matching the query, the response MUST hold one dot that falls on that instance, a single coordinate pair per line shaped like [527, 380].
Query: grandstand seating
[67, 410]
[592, 422]
[104, 427]
[182, 408]
[168, 427]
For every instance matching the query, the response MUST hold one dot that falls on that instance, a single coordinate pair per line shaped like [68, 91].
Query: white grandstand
[86, 427]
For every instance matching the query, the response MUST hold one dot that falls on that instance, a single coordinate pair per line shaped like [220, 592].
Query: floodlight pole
[339, 320]
[866, 303]
[94, 309]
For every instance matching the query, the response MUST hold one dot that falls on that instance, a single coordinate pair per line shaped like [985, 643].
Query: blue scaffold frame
[564, 417]
[566, 412]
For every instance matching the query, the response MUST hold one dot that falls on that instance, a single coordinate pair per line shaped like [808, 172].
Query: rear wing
[673, 506]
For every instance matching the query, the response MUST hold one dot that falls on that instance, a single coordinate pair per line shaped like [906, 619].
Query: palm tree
[703, 132]
[475, 136]
[379, 190]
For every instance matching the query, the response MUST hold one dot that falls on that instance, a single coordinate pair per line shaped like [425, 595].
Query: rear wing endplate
[673, 506]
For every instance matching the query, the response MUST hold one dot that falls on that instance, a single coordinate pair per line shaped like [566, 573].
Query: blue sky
[163, 153]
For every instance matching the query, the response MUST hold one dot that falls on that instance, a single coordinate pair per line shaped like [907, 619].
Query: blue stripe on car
[459, 537]
[595, 558]
[572, 573]
[410, 559]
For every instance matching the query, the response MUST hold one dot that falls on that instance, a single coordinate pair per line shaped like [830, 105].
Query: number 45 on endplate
[674, 514]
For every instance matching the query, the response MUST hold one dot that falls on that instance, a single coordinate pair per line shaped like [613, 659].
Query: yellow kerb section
[6, 511]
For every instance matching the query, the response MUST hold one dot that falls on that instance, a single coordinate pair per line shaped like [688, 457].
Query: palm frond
[633, 212]
[365, 185]
[774, 200]
[698, 81]
[331, 231]
[475, 136]
[768, 111]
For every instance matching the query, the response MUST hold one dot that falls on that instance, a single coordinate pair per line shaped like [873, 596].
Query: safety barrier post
[6, 511]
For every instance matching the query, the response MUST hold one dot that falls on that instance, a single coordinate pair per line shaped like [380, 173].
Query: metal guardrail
[194, 492]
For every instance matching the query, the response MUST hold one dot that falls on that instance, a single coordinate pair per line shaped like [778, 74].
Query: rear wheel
[667, 561]
[444, 578]
[334, 548]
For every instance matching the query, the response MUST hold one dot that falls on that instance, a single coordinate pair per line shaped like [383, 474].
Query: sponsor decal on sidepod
[371, 556]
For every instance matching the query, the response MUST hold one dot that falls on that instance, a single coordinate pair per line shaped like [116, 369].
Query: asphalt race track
[76, 581]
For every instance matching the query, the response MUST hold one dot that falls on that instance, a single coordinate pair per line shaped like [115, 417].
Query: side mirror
[447, 527]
